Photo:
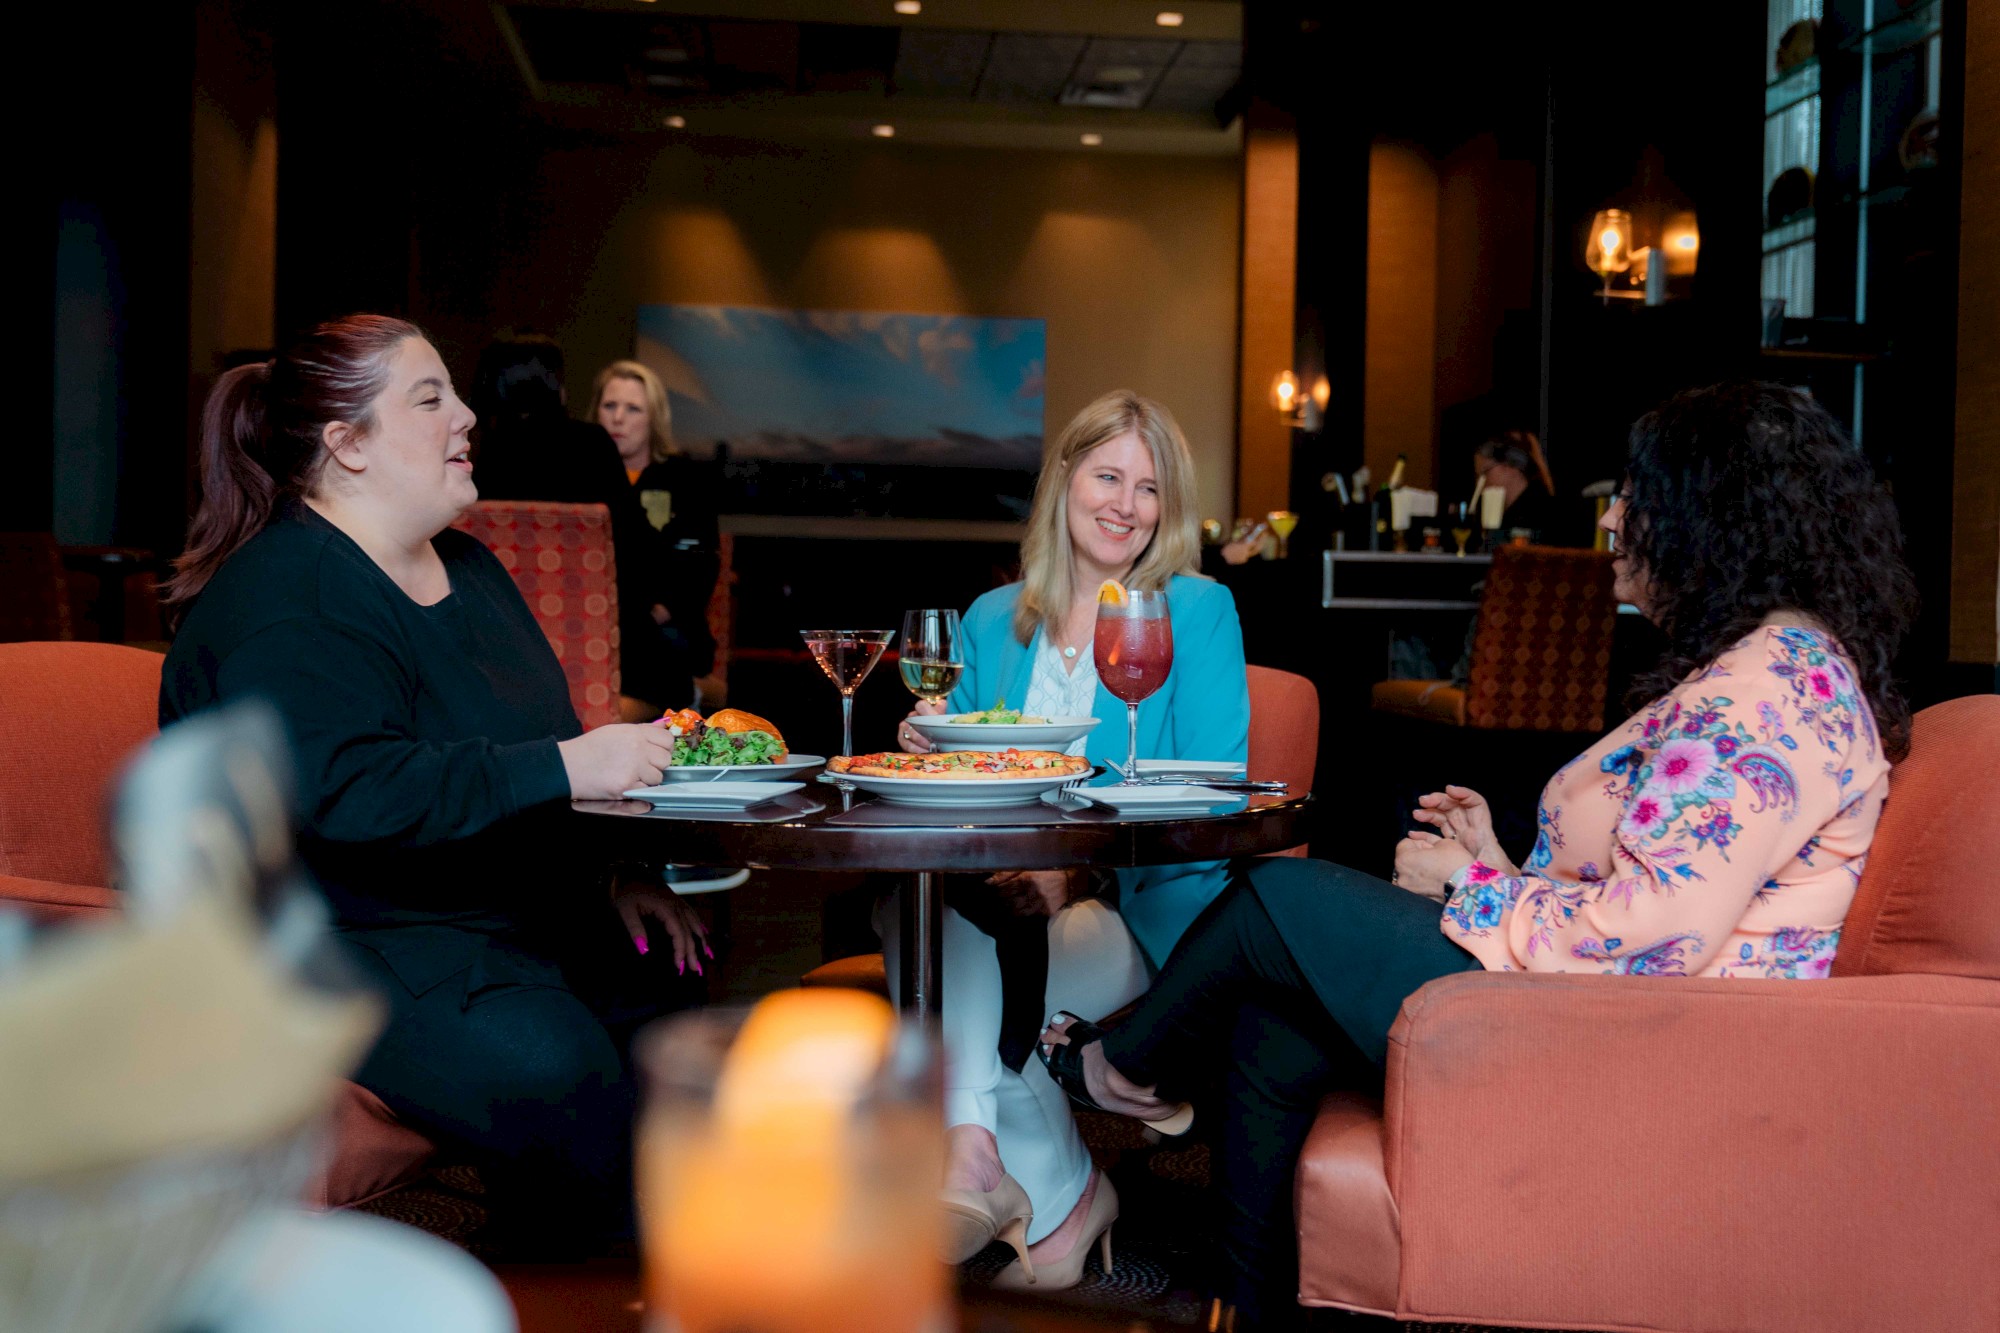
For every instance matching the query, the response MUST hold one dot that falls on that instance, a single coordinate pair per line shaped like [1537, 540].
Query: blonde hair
[1046, 593]
[659, 417]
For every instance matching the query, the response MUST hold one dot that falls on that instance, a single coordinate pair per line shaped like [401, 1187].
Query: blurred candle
[797, 1197]
[1492, 506]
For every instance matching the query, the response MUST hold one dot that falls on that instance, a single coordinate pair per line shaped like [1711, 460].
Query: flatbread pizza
[963, 765]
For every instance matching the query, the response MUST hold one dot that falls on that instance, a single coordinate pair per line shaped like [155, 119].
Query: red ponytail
[260, 436]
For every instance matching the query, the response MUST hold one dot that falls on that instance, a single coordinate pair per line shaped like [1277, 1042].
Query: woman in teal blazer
[1115, 501]
[1202, 712]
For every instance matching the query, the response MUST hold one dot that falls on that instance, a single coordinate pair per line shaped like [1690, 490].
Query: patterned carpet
[773, 929]
[1158, 1244]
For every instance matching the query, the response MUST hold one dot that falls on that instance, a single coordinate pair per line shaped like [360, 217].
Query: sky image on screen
[850, 387]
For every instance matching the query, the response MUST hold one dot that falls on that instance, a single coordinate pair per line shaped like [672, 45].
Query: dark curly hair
[1746, 498]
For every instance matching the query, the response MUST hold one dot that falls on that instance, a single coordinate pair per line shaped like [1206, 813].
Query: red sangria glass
[1135, 651]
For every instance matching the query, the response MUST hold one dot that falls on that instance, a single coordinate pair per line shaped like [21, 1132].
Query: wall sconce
[1680, 240]
[1286, 398]
[1609, 249]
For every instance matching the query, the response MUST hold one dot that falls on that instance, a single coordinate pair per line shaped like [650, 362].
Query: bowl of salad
[1001, 727]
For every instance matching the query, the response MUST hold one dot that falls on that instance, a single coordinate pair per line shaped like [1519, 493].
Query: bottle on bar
[1378, 535]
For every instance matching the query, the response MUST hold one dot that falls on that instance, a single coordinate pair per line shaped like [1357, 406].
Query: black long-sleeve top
[431, 789]
[678, 495]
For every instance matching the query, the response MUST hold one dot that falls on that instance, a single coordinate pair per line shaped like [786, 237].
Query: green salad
[999, 715]
[714, 748]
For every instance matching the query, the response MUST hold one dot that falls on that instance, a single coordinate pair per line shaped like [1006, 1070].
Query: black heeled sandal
[1065, 1066]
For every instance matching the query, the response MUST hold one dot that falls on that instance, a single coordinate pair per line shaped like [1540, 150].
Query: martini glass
[1283, 522]
[847, 656]
[1135, 650]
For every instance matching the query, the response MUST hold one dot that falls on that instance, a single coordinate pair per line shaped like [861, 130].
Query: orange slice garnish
[1113, 592]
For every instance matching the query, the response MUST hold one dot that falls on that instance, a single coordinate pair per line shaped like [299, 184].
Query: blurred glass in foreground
[165, 1076]
[788, 1161]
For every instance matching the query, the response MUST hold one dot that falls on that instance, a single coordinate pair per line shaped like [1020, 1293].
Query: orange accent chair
[1706, 1155]
[561, 557]
[1284, 746]
[71, 714]
[1284, 733]
[1541, 657]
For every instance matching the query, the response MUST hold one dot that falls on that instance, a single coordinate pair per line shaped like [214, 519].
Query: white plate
[784, 768]
[1054, 734]
[1165, 799]
[712, 795]
[1192, 768]
[957, 793]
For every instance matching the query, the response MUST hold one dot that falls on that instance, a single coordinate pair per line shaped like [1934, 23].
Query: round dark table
[825, 827]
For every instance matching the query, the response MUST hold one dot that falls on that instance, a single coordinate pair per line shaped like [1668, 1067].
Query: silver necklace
[1068, 650]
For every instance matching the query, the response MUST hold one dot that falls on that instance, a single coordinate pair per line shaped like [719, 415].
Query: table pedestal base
[920, 910]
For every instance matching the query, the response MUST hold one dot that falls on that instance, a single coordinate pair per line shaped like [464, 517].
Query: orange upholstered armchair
[1284, 733]
[1702, 1154]
[71, 714]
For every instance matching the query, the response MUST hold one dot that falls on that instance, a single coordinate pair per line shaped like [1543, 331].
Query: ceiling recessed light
[884, 131]
[1092, 140]
[909, 6]
[675, 122]
[1168, 18]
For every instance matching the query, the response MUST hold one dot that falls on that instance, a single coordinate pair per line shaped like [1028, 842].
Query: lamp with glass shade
[1609, 250]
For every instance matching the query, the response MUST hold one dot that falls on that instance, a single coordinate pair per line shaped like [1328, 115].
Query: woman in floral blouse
[1720, 831]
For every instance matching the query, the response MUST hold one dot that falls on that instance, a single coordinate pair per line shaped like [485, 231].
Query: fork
[1218, 784]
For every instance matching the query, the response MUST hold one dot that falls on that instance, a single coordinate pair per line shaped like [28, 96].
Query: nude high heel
[1068, 1270]
[975, 1219]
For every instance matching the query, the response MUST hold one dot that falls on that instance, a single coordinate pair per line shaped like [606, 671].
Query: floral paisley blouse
[1720, 832]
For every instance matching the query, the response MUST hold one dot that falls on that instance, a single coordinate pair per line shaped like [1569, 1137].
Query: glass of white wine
[933, 655]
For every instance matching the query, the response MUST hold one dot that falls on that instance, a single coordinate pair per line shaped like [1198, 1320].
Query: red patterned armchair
[1541, 657]
[561, 556]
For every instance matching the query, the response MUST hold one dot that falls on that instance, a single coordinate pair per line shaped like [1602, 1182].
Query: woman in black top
[1512, 463]
[528, 447]
[677, 495]
[436, 748]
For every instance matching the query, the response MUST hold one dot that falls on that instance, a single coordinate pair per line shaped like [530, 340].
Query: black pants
[1282, 991]
[514, 1049]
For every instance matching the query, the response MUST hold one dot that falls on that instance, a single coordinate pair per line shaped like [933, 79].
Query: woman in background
[677, 495]
[1115, 500]
[528, 447]
[436, 753]
[1512, 463]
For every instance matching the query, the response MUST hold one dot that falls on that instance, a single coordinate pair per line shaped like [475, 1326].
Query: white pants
[1095, 967]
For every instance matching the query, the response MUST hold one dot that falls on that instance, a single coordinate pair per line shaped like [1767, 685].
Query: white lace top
[1060, 686]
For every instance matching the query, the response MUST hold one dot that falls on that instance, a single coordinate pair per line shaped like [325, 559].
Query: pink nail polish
[697, 970]
[639, 943]
[680, 968]
[705, 949]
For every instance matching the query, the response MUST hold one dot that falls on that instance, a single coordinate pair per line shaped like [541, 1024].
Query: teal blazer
[1202, 712]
